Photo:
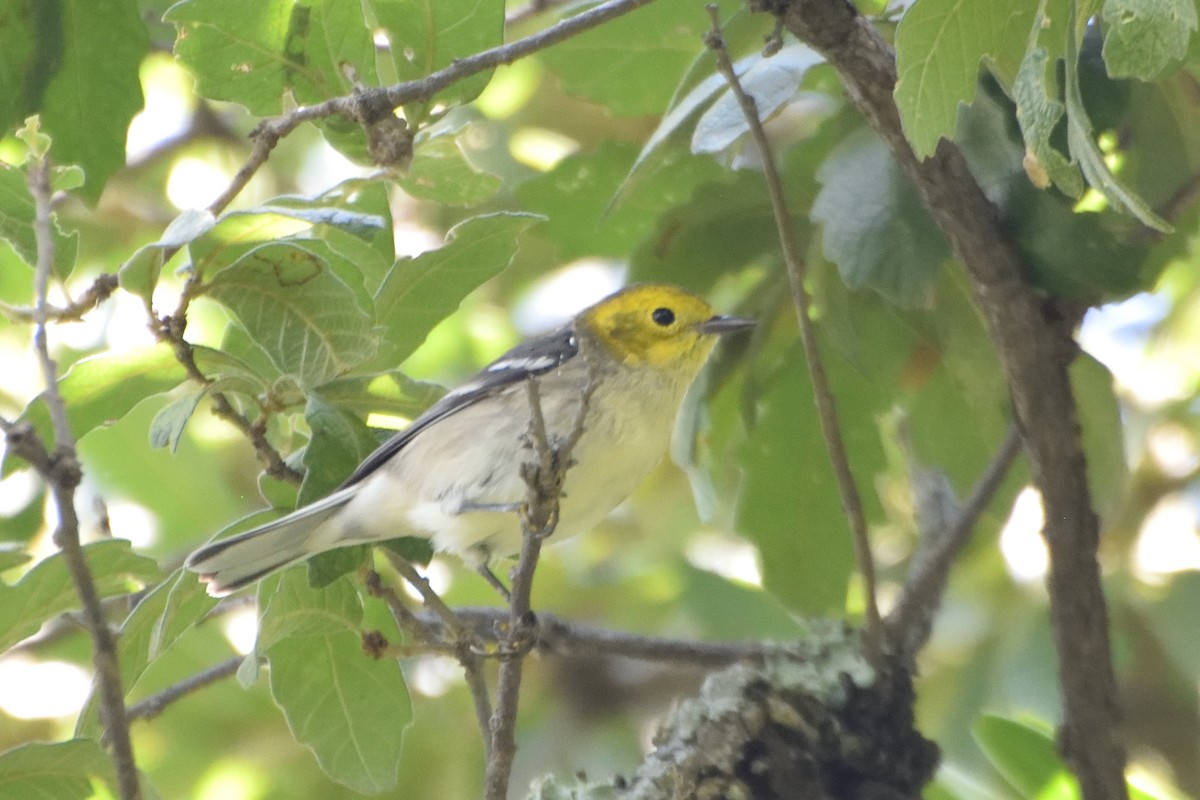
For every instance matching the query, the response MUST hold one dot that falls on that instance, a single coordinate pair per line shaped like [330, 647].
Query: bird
[453, 475]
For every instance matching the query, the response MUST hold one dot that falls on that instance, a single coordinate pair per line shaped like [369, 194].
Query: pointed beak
[721, 325]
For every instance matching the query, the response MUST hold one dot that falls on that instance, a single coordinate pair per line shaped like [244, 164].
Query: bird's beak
[720, 325]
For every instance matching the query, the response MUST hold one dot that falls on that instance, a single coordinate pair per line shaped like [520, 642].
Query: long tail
[230, 564]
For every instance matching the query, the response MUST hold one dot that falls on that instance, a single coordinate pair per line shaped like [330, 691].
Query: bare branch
[553, 636]
[1033, 339]
[539, 517]
[826, 406]
[61, 470]
[429, 635]
[100, 290]
[911, 621]
[155, 704]
[369, 105]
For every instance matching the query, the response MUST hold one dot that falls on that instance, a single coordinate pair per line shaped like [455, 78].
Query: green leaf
[293, 306]
[251, 53]
[46, 590]
[873, 226]
[16, 223]
[357, 223]
[348, 708]
[19, 55]
[1141, 37]
[298, 610]
[139, 274]
[1084, 149]
[939, 46]
[1024, 755]
[428, 35]
[89, 90]
[420, 292]
[681, 111]
[58, 771]
[772, 82]
[167, 427]
[643, 54]
[340, 441]
[441, 172]
[13, 554]
[169, 610]
[595, 207]
[230, 373]
[102, 389]
[788, 505]
[390, 392]
[1038, 114]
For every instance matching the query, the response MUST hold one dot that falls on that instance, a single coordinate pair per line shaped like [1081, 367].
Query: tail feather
[230, 564]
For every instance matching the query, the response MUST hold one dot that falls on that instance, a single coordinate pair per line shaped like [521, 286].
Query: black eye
[662, 316]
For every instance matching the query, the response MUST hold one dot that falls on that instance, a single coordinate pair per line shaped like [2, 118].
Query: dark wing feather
[533, 357]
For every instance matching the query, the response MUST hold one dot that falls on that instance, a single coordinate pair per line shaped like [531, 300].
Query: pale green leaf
[1084, 149]
[348, 708]
[428, 35]
[420, 292]
[872, 224]
[102, 389]
[642, 53]
[47, 591]
[251, 53]
[772, 82]
[939, 46]
[93, 89]
[441, 172]
[1038, 113]
[167, 427]
[302, 314]
[54, 771]
[298, 610]
[1142, 37]
[1024, 754]
[339, 443]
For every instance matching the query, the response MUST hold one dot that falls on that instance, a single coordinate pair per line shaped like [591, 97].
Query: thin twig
[911, 621]
[428, 636]
[364, 104]
[155, 704]
[539, 517]
[100, 290]
[63, 475]
[826, 407]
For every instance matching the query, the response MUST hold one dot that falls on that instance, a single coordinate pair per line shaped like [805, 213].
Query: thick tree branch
[822, 395]
[1035, 348]
[61, 470]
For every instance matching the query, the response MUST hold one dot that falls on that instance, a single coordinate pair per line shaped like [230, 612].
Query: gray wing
[533, 357]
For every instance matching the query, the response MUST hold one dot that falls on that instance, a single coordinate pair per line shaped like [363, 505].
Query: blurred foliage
[330, 300]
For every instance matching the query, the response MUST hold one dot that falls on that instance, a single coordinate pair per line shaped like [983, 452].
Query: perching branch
[1034, 342]
[457, 642]
[539, 517]
[100, 290]
[822, 395]
[62, 471]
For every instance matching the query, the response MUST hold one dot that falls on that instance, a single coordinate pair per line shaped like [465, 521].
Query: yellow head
[657, 325]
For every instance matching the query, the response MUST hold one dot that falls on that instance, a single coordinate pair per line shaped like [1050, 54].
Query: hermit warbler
[453, 475]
